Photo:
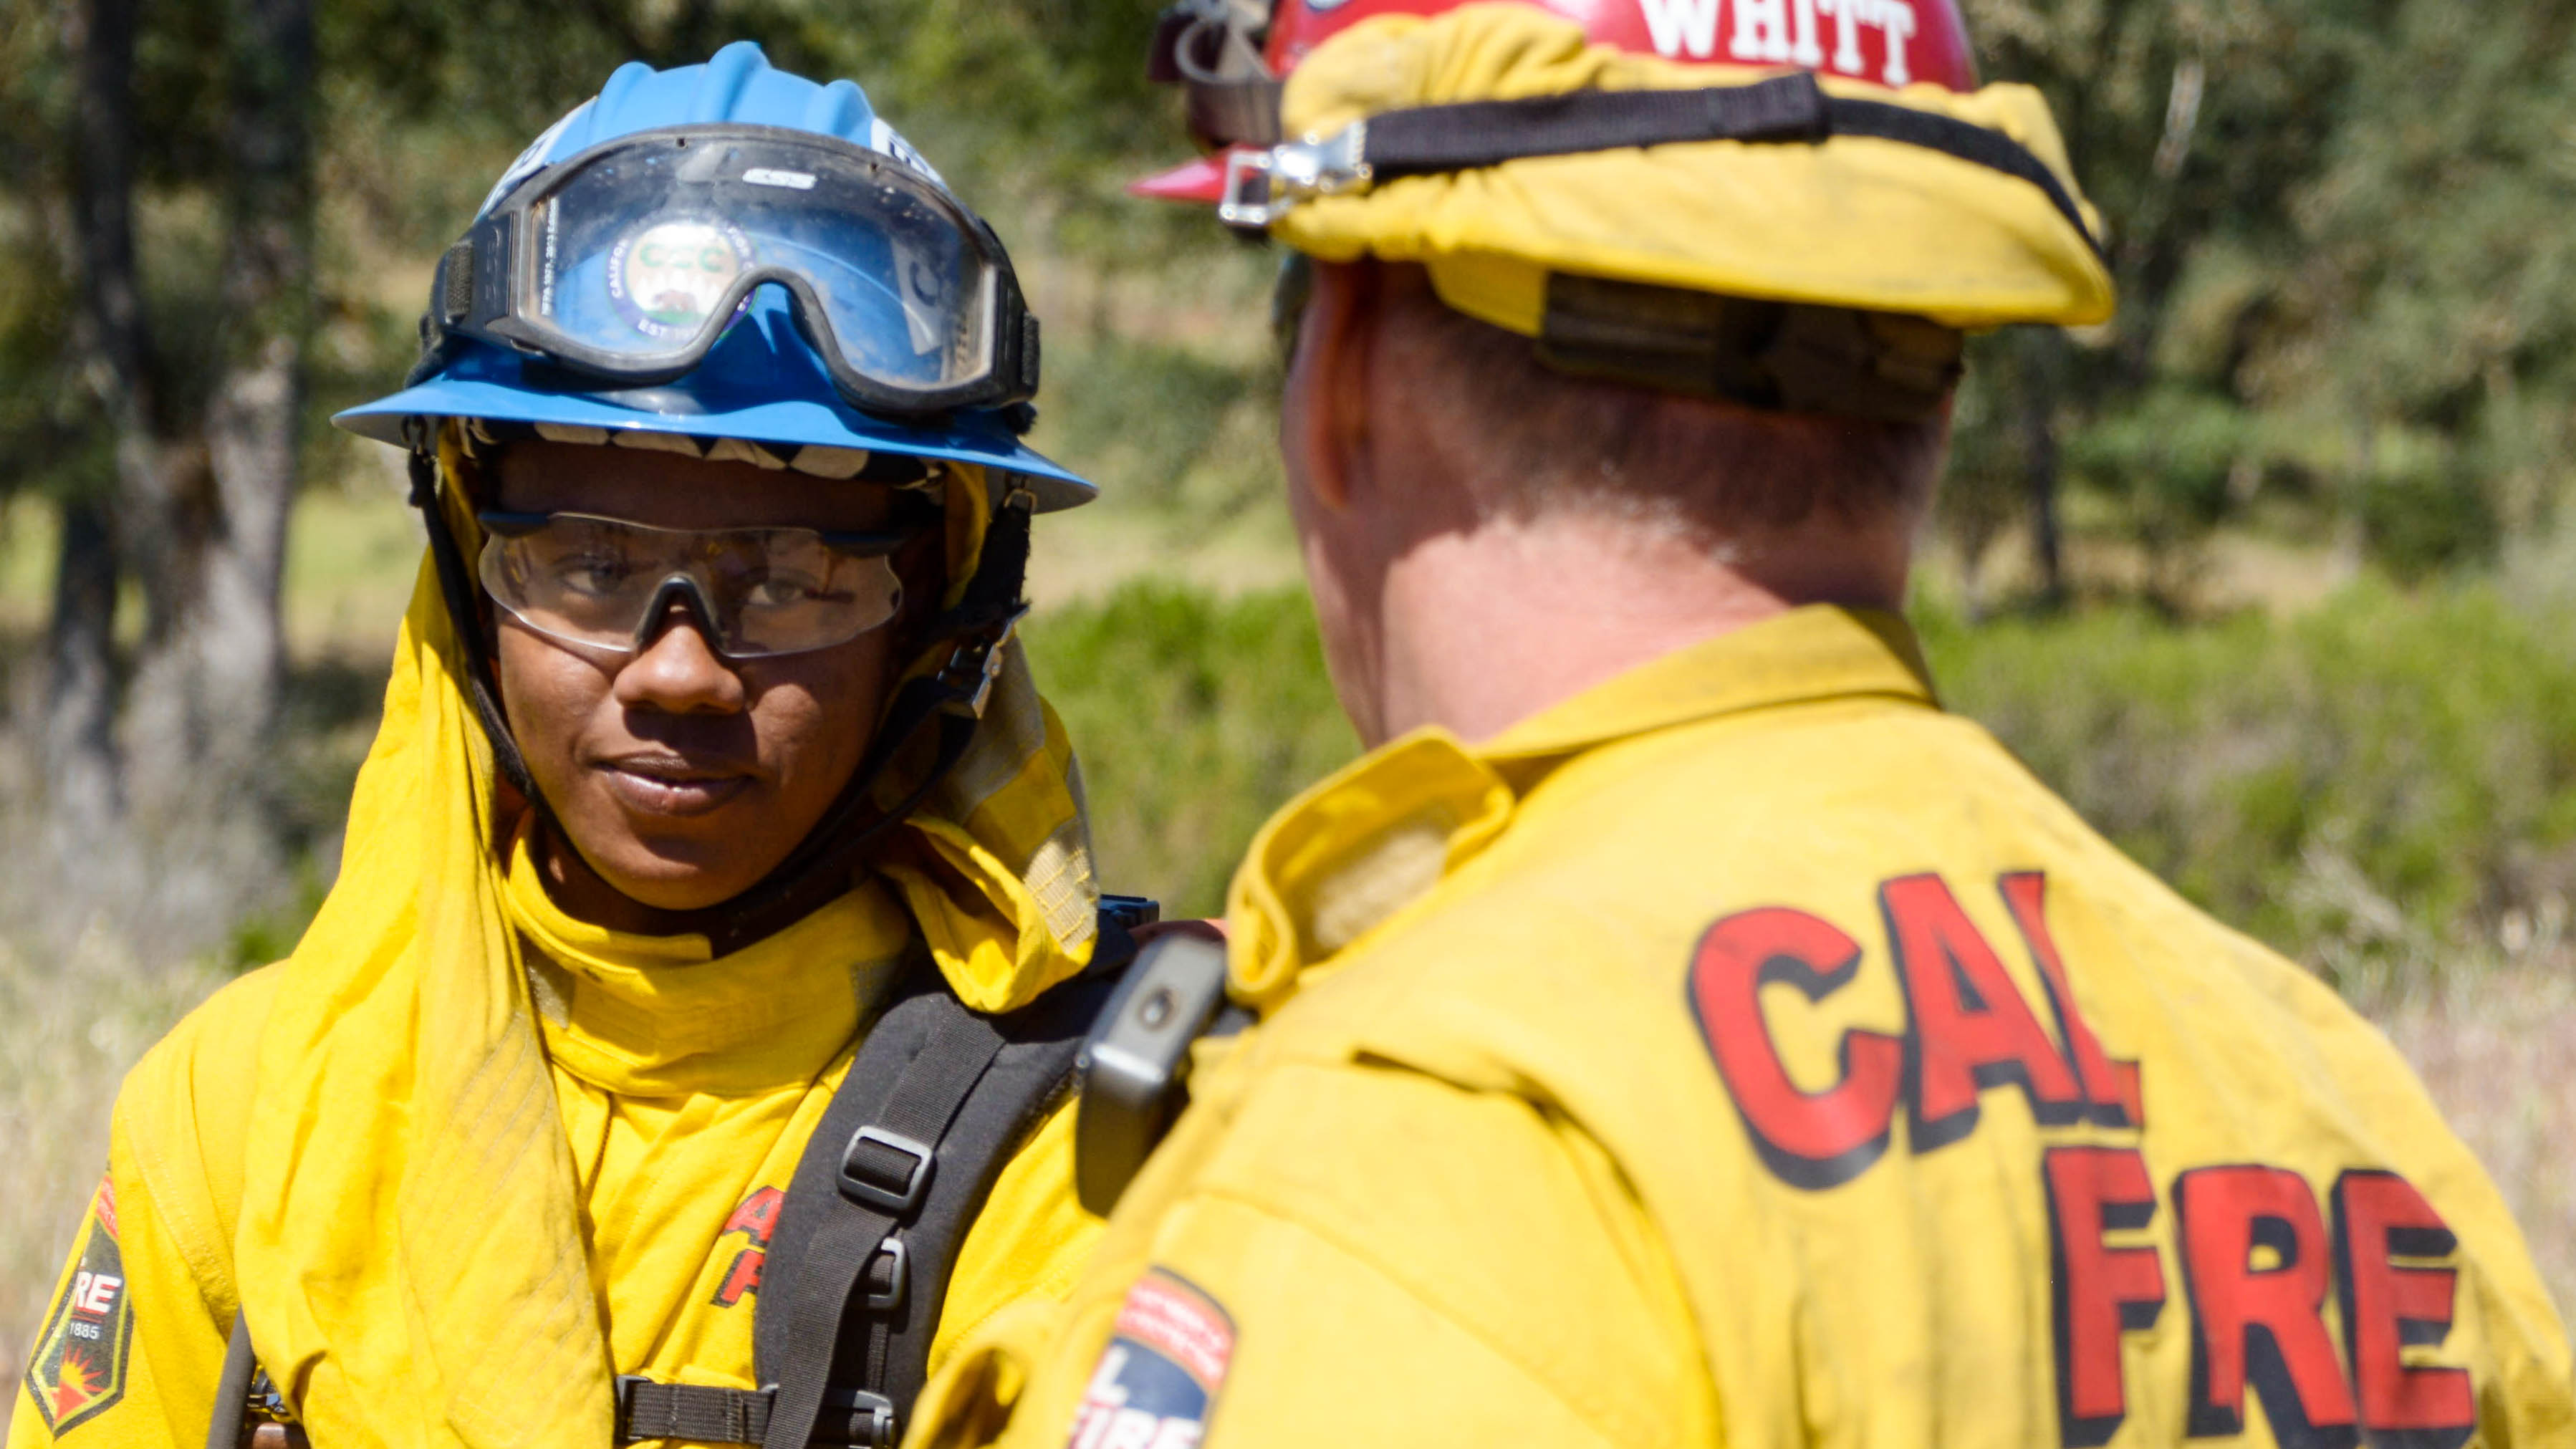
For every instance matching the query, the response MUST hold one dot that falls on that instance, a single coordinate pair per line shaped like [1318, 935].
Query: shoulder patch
[78, 1369]
[1158, 1379]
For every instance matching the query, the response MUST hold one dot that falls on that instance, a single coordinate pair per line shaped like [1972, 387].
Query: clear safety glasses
[629, 261]
[606, 582]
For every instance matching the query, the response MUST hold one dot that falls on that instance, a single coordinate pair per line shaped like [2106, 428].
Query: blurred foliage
[2341, 229]
[2341, 232]
[2378, 785]
[1194, 718]
[2382, 786]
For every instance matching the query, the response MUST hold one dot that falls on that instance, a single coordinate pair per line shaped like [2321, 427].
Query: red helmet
[1232, 54]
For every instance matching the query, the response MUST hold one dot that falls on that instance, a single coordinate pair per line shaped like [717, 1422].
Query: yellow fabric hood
[1850, 221]
[409, 1244]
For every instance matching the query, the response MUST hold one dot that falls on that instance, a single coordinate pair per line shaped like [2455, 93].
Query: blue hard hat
[762, 383]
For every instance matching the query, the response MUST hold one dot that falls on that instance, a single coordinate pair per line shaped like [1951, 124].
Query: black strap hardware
[698, 1413]
[885, 1293]
[1135, 1065]
[873, 1149]
[857, 1417]
[708, 1414]
[969, 674]
[1212, 49]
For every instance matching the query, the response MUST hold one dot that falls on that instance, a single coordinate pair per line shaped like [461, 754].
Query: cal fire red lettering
[741, 1278]
[1972, 1030]
[2111, 1086]
[756, 1218]
[2102, 1290]
[2254, 1259]
[1812, 1139]
[2380, 1217]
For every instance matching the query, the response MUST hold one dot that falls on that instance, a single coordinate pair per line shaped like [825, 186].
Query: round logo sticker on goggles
[667, 278]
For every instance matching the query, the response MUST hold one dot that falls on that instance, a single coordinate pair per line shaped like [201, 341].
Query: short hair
[1546, 441]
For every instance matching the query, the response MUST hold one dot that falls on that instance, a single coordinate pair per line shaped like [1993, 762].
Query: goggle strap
[1777, 356]
[1470, 135]
[456, 281]
[473, 287]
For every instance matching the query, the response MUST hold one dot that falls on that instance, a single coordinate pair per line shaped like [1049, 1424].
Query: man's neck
[1485, 628]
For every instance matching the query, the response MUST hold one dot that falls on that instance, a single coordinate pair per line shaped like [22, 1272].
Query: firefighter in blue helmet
[680, 1053]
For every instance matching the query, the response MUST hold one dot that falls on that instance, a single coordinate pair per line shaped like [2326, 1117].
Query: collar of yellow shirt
[658, 1016]
[1349, 852]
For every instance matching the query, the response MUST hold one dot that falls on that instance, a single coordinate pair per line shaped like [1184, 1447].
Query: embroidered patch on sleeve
[78, 1369]
[1157, 1380]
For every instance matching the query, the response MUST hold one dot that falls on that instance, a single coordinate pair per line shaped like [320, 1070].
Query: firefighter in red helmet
[1677, 1029]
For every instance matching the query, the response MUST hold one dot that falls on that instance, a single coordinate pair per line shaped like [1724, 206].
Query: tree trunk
[80, 704]
[113, 345]
[253, 421]
[206, 685]
[2038, 424]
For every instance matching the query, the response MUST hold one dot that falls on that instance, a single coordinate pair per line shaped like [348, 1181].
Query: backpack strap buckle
[891, 1174]
[897, 1279]
[857, 1418]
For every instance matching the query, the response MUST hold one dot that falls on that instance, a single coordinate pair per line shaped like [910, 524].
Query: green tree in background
[165, 245]
[2340, 229]
[2341, 236]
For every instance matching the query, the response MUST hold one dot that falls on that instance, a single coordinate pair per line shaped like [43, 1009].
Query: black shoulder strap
[895, 1174]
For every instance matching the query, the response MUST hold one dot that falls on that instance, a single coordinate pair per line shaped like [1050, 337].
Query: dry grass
[70, 1025]
[2498, 1051]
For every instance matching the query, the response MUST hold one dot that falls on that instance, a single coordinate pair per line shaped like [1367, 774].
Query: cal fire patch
[78, 1369]
[1158, 1378]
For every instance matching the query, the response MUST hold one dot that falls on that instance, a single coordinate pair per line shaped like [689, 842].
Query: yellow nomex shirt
[1747, 1052]
[687, 1088]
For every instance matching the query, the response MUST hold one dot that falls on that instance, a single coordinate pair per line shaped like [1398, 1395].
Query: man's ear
[1324, 412]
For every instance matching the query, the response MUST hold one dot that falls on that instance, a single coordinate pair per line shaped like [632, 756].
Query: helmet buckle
[968, 676]
[1263, 186]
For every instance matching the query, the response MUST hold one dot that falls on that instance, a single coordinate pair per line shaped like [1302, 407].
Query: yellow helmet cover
[1847, 220]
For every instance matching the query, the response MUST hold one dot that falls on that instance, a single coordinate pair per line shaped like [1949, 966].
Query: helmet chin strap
[948, 701]
[456, 587]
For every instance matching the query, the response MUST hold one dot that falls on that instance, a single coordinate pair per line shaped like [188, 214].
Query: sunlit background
[2269, 576]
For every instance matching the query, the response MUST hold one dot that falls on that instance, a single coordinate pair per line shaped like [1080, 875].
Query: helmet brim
[1196, 183]
[485, 383]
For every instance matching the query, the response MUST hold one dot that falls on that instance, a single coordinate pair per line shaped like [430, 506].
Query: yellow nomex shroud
[1851, 221]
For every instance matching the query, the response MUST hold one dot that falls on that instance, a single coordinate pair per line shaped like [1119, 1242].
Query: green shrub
[1194, 718]
[2384, 786]
[2378, 786]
